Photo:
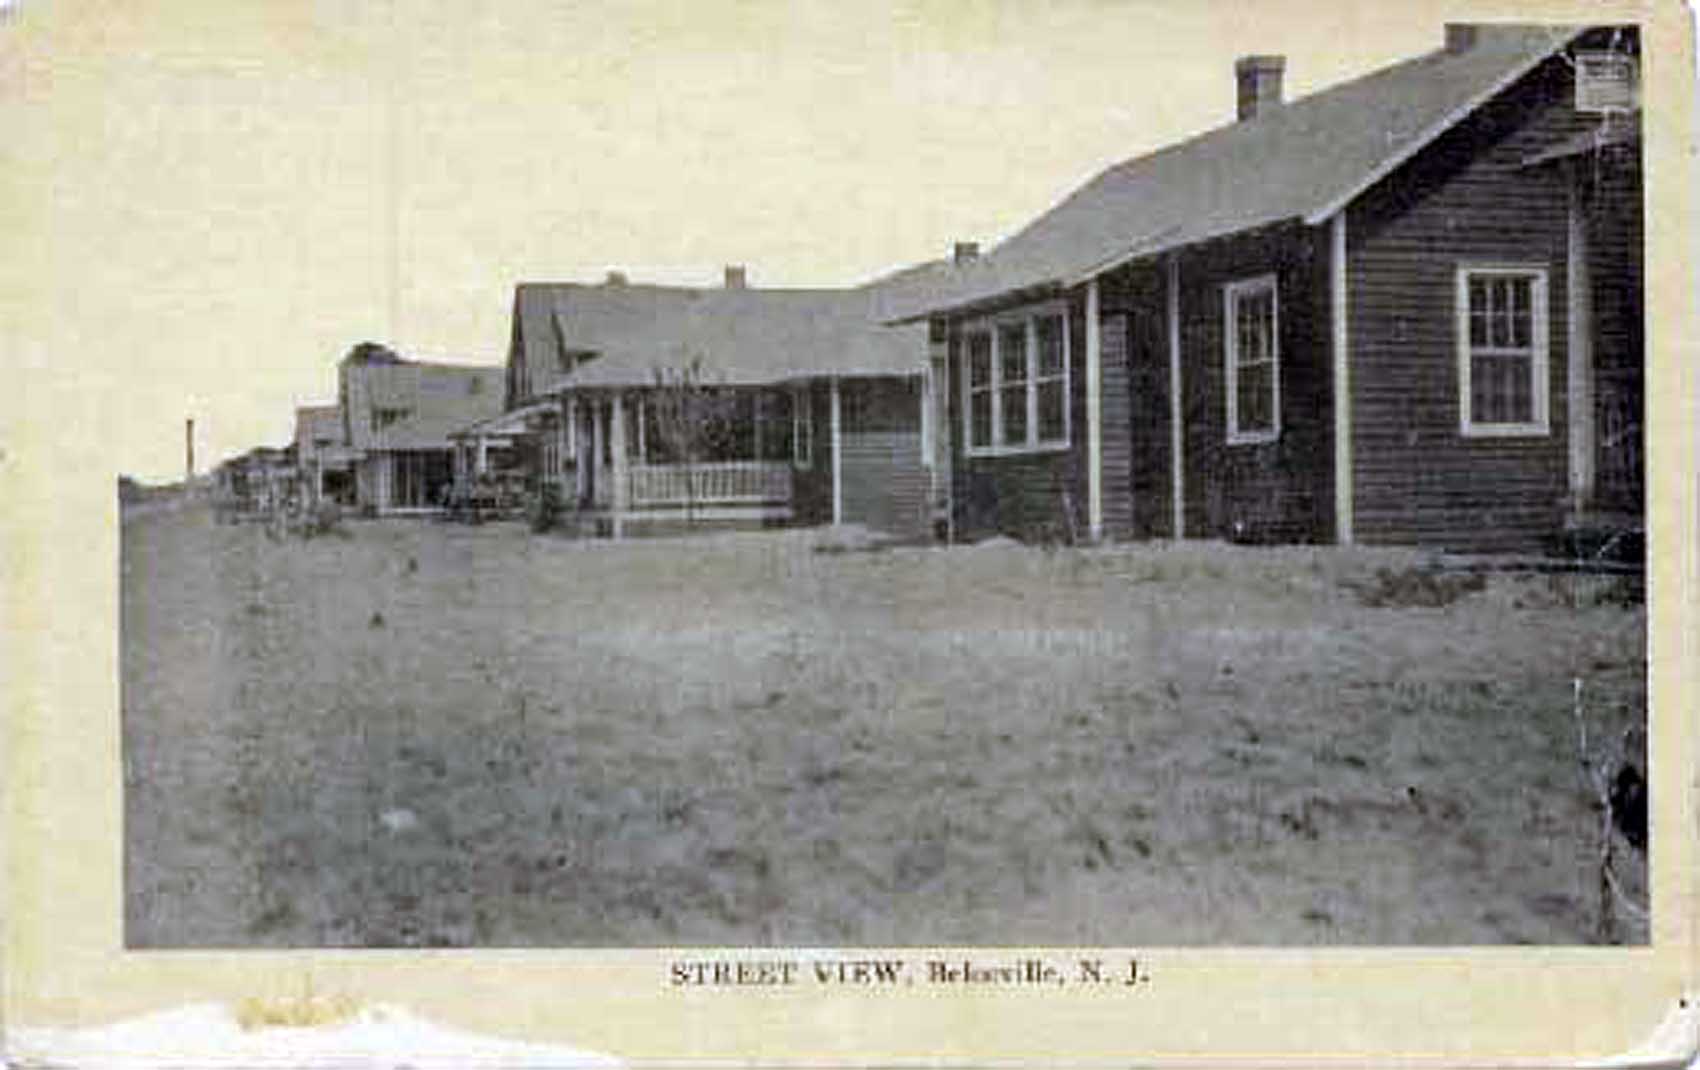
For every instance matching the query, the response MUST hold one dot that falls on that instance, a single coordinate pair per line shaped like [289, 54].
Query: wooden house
[659, 407]
[258, 483]
[1406, 309]
[324, 460]
[398, 416]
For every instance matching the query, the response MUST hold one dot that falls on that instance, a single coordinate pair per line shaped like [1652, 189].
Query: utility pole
[188, 451]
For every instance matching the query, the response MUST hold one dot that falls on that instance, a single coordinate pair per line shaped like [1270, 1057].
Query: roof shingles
[740, 336]
[1302, 160]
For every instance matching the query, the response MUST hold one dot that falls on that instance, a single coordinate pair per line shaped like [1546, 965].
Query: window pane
[1502, 389]
[1478, 312]
[980, 417]
[1256, 409]
[1050, 332]
[1012, 353]
[1520, 317]
[1254, 318]
[1519, 390]
[1501, 334]
[979, 359]
[1014, 406]
[1052, 427]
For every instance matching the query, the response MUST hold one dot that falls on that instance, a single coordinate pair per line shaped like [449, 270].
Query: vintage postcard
[817, 535]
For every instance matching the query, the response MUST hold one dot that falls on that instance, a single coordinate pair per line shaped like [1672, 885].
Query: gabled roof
[621, 335]
[438, 398]
[1304, 160]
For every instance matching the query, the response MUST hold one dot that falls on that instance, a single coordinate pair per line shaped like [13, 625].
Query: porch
[660, 456]
[758, 491]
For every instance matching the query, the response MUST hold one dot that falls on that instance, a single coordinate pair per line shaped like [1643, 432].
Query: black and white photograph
[680, 517]
[789, 533]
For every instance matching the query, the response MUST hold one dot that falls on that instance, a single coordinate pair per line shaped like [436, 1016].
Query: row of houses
[1405, 309]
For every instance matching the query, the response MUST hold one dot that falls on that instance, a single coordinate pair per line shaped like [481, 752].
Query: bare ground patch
[437, 735]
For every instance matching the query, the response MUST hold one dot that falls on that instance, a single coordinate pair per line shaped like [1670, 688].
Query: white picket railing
[716, 483]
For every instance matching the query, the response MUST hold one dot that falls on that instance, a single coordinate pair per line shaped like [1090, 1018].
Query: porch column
[1342, 346]
[1094, 416]
[617, 428]
[598, 435]
[482, 465]
[1177, 409]
[563, 445]
[1579, 338]
[837, 457]
[581, 450]
[938, 379]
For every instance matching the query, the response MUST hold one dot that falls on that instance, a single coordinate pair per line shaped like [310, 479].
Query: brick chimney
[615, 278]
[1259, 83]
[737, 277]
[966, 252]
[1460, 36]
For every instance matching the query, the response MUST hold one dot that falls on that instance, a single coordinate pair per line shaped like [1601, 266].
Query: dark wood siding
[1134, 298]
[811, 487]
[1275, 491]
[1468, 198]
[885, 481]
[1116, 405]
[1610, 185]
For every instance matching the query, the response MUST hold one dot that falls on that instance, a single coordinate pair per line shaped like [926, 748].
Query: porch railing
[726, 482]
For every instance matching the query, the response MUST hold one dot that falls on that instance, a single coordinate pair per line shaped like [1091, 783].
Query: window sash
[1503, 350]
[1251, 328]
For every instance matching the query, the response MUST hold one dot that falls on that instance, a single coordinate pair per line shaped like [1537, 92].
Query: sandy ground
[431, 734]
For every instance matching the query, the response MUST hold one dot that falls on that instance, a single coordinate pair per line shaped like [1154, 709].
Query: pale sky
[207, 203]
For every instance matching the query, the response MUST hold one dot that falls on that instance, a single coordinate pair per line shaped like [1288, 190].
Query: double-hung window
[1502, 350]
[1252, 360]
[1015, 383]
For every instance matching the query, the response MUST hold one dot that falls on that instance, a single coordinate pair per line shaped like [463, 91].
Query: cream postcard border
[64, 963]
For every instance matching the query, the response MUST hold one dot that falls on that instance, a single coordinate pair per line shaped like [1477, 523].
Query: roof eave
[985, 303]
[1343, 200]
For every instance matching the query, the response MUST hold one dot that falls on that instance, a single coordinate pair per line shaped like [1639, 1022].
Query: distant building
[398, 416]
[325, 459]
[261, 480]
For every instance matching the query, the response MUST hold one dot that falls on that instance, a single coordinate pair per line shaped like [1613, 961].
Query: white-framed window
[1503, 374]
[802, 428]
[1015, 383]
[1251, 331]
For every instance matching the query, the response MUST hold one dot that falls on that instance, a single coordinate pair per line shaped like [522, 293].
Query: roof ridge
[1498, 35]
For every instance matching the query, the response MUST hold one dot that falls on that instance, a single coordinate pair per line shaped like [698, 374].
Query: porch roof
[513, 422]
[1304, 160]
